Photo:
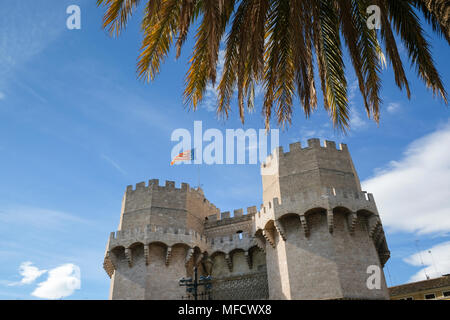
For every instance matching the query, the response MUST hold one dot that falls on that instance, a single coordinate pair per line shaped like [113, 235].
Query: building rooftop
[440, 282]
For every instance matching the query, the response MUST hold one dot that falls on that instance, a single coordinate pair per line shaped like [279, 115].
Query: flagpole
[198, 175]
[198, 167]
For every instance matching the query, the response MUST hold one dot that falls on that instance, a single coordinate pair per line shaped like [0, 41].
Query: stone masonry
[314, 236]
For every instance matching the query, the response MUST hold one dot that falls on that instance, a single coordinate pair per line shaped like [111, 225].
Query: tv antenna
[434, 264]
[421, 260]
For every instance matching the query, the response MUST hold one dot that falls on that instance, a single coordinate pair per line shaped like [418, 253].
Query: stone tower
[321, 231]
[160, 237]
[313, 238]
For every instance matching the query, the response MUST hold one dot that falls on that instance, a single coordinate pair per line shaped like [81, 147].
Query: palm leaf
[274, 42]
[117, 14]
[159, 26]
[404, 20]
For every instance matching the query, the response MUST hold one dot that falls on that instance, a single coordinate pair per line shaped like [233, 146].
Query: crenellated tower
[314, 236]
[321, 232]
[159, 239]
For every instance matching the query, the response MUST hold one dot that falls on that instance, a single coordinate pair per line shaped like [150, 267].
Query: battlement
[328, 198]
[229, 243]
[154, 184]
[234, 238]
[178, 206]
[149, 233]
[131, 233]
[171, 236]
[237, 213]
[168, 185]
[296, 147]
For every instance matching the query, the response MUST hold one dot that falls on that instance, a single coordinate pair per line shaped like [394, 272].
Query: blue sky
[77, 127]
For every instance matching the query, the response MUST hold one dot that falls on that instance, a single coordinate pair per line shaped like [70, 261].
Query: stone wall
[247, 287]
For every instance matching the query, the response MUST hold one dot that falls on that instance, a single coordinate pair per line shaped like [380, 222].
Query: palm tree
[274, 43]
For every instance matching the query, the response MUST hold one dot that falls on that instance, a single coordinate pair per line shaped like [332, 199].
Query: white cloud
[413, 194]
[38, 218]
[210, 100]
[352, 89]
[436, 262]
[27, 29]
[306, 133]
[393, 107]
[323, 133]
[29, 273]
[356, 121]
[2, 96]
[212, 93]
[221, 62]
[61, 282]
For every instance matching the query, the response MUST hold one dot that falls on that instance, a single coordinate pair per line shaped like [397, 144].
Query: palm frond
[203, 63]
[349, 15]
[117, 14]
[159, 26]
[303, 55]
[404, 20]
[437, 13]
[274, 43]
[230, 69]
[184, 22]
[370, 57]
[335, 88]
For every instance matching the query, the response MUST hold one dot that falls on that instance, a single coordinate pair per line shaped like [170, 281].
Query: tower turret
[159, 239]
[322, 234]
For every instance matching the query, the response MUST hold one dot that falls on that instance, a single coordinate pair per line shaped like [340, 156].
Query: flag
[184, 156]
